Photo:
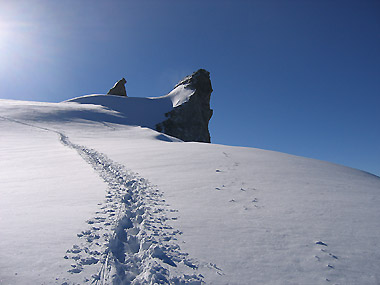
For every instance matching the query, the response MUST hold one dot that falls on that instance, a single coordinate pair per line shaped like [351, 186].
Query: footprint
[89, 261]
[320, 243]
[75, 269]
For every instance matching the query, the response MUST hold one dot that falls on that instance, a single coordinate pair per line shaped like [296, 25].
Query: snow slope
[146, 112]
[87, 195]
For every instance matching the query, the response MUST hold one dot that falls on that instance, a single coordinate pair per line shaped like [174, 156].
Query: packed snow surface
[89, 196]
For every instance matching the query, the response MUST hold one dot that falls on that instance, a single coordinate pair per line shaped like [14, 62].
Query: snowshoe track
[128, 238]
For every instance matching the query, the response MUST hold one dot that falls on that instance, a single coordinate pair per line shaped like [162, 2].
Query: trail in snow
[128, 240]
[244, 198]
[327, 259]
[129, 237]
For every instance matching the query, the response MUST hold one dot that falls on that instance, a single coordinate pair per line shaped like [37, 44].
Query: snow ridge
[129, 239]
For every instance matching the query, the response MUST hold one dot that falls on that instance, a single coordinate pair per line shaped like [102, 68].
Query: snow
[89, 193]
[43, 201]
[137, 111]
[179, 95]
[133, 110]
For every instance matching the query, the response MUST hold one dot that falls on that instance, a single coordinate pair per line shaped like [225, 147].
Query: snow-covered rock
[184, 113]
[189, 120]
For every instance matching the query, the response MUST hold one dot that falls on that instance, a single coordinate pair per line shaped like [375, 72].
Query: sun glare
[4, 33]
[19, 44]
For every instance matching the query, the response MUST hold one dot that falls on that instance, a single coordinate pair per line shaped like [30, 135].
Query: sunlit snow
[89, 193]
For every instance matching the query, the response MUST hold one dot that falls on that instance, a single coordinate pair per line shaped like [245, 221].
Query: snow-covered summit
[183, 113]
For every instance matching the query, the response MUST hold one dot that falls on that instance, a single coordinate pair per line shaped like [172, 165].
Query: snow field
[258, 214]
[44, 199]
[129, 237]
[84, 199]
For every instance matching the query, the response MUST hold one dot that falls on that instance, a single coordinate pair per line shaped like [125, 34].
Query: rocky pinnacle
[189, 121]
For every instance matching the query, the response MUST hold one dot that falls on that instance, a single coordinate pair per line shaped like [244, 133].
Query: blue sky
[301, 77]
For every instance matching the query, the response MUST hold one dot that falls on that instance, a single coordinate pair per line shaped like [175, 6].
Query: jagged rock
[189, 121]
[118, 88]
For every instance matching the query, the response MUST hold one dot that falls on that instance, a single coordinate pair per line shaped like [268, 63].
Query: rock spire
[189, 121]
[118, 88]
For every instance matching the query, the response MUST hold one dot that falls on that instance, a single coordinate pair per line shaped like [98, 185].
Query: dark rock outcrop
[189, 121]
[118, 88]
